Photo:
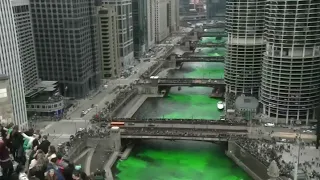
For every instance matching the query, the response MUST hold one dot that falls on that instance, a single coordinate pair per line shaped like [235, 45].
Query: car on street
[307, 131]
[269, 125]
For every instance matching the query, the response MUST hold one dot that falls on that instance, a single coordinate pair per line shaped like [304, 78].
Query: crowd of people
[30, 156]
[147, 73]
[268, 150]
[126, 93]
[206, 133]
[180, 121]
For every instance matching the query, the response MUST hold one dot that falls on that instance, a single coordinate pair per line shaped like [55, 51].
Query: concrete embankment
[113, 158]
[141, 99]
[127, 152]
[247, 162]
[243, 166]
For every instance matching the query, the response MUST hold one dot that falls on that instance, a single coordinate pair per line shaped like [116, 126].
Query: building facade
[108, 31]
[45, 100]
[10, 64]
[66, 40]
[22, 18]
[216, 9]
[162, 19]
[245, 46]
[174, 15]
[125, 30]
[151, 22]
[6, 109]
[291, 65]
[140, 26]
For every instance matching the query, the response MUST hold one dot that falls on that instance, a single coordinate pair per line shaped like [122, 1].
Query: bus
[117, 124]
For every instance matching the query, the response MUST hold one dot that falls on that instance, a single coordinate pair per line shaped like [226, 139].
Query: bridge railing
[190, 134]
[180, 121]
[184, 130]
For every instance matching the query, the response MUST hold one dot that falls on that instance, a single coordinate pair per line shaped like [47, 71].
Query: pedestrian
[5, 160]
[44, 145]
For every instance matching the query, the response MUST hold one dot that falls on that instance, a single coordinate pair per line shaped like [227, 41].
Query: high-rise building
[66, 42]
[151, 22]
[125, 30]
[216, 9]
[22, 18]
[245, 46]
[10, 64]
[290, 87]
[108, 31]
[166, 18]
[174, 15]
[140, 26]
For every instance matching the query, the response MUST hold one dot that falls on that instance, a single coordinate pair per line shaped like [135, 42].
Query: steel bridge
[198, 134]
[212, 34]
[189, 82]
[211, 45]
[200, 59]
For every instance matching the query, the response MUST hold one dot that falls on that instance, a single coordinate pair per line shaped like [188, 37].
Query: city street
[60, 131]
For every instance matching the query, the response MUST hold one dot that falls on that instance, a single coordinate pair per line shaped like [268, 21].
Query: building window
[3, 93]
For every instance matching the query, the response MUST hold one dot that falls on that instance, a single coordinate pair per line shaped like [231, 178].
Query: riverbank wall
[247, 162]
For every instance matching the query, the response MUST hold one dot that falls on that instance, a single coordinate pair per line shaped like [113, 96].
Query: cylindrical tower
[245, 46]
[291, 64]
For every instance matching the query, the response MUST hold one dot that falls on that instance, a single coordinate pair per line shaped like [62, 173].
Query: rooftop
[246, 102]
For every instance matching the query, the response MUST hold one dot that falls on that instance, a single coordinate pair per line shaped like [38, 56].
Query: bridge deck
[189, 82]
[200, 59]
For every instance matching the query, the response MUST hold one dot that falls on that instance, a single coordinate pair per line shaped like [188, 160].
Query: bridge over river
[199, 59]
[190, 82]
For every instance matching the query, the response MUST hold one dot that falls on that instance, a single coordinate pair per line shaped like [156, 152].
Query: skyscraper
[108, 31]
[125, 30]
[151, 22]
[67, 45]
[245, 46]
[290, 87]
[216, 9]
[10, 64]
[22, 17]
[140, 26]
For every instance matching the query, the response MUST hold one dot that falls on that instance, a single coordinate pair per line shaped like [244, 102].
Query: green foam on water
[177, 161]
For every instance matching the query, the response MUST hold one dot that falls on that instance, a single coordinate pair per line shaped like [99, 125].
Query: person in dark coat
[44, 145]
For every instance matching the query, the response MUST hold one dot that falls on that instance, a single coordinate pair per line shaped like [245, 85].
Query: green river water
[181, 160]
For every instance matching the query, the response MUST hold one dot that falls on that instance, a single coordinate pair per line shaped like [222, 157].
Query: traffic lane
[98, 100]
[196, 126]
[285, 135]
[277, 129]
[63, 127]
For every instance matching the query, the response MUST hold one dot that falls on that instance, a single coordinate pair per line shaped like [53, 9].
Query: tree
[273, 170]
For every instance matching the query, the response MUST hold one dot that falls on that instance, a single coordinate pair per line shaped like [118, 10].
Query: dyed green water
[181, 160]
[213, 40]
[219, 51]
[187, 103]
[199, 70]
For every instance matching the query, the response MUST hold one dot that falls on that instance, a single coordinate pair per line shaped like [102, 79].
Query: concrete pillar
[173, 61]
[115, 138]
[154, 81]
[187, 44]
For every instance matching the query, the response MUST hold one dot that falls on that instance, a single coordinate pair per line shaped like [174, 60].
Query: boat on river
[220, 105]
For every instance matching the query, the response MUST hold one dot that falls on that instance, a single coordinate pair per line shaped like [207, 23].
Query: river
[181, 160]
